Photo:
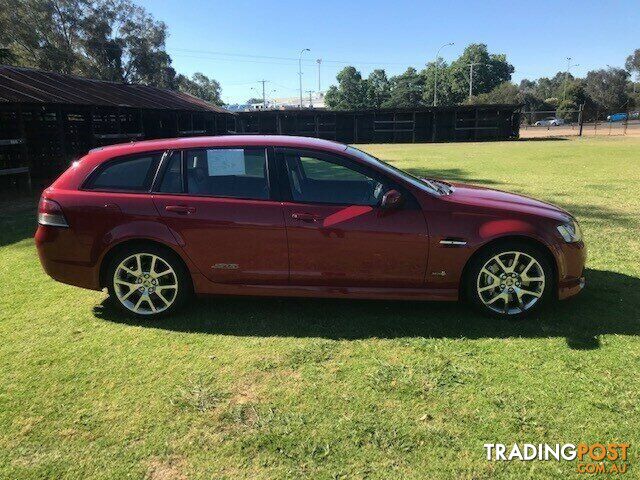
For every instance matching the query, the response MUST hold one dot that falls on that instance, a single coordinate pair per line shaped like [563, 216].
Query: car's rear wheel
[509, 280]
[147, 281]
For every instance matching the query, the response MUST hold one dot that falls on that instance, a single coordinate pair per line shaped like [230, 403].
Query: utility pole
[435, 75]
[471, 65]
[566, 78]
[310, 99]
[319, 62]
[300, 71]
[264, 97]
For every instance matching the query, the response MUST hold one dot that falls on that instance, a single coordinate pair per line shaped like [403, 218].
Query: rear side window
[172, 179]
[228, 172]
[131, 173]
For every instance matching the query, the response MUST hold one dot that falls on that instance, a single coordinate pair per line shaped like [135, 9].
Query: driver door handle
[182, 209]
[306, 217]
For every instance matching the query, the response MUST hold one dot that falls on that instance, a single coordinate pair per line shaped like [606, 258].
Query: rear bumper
[53, 249]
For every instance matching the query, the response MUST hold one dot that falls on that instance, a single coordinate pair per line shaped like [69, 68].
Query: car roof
[219, 141]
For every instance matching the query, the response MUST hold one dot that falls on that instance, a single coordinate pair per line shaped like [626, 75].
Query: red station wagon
[157, 221]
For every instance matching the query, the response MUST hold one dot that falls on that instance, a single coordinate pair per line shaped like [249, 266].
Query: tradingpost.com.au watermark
[591, 457]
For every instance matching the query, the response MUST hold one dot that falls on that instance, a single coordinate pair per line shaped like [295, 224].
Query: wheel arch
[533, 242]
[132, 242]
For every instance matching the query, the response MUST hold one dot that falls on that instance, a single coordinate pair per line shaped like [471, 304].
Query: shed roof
[26, 85]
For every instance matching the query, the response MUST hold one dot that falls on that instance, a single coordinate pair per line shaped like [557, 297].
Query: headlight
[570, 232]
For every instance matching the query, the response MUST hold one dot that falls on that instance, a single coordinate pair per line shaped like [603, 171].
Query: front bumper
[571, 261]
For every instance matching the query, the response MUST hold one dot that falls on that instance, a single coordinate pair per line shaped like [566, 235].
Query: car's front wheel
[147, 281]
[509, 280]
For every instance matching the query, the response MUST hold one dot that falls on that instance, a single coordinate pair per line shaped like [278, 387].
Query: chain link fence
[582, 122]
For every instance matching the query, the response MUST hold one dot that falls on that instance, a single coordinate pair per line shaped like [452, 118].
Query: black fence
[440, 124]
[46, 138]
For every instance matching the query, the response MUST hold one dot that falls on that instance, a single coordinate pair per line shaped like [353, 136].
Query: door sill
[205, 287]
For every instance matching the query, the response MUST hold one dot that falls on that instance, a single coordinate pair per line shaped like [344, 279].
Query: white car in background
[549, 122]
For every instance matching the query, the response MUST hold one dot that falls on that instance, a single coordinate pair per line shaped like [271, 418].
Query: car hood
[472, 195]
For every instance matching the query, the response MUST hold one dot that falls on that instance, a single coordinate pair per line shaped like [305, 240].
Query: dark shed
[47, 119]
[402, 125]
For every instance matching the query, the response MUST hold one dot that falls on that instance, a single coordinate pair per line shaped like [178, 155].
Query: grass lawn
[278, 388]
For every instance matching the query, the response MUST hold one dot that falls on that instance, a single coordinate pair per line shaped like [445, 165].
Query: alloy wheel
[510, 283]
[145, 284]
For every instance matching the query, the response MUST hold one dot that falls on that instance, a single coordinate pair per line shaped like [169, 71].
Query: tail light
[50, 213]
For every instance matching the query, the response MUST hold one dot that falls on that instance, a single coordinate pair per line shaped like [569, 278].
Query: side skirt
[203, 286]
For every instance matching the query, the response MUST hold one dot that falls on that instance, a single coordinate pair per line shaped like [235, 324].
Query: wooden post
[141, 124]
[23, 134]
[434, 128]
[92, 127]
[413, 133]
[580, 119]
[61, 132]
[355, 128]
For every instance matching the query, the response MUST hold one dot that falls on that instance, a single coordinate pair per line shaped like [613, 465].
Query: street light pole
[435, 75]
[300, 71]
[319, 61]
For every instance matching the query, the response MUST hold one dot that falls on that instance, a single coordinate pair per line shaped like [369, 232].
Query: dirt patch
[166, 469]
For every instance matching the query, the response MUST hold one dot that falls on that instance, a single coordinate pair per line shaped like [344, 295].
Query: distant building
[316, 101]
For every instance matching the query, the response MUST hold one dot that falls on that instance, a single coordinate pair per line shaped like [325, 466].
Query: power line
[290, 59]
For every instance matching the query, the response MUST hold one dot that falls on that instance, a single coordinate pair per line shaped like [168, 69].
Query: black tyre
[509, 280]
[147, 281]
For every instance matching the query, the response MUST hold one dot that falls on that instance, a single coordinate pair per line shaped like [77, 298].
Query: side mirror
[391, 200]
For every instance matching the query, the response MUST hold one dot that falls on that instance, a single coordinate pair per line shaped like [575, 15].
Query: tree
[506, 92]
[378, 89]
[253, 100]
[201, 86]
[489, 71]
[633, 65]
[633, 62]
[406, 90]
[105, 39]
[607, 88]
[122, 42]
[6, 56]
[43, 33]
[445, 96]
[351, 92]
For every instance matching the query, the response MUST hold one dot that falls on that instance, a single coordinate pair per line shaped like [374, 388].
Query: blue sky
[230, 40]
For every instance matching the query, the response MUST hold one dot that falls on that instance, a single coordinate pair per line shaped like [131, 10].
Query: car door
[338, 235]
[219, 203]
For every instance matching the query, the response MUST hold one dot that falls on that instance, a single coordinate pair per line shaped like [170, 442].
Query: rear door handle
[181, 209]
[306, 217]
[112, 207]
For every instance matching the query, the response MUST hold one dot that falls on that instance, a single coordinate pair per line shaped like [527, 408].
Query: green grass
[276, 388]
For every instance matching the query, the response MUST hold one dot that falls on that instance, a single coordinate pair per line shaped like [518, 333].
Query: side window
[172, 177]
[228, 172]
[130, 173]
[327, 179]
